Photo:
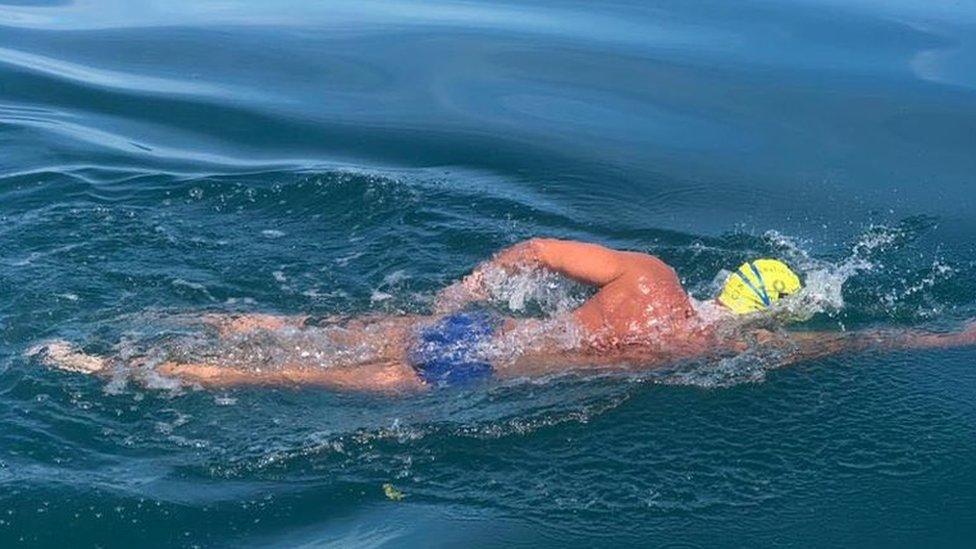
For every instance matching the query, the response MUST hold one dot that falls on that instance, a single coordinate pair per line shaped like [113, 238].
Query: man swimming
[639, 318]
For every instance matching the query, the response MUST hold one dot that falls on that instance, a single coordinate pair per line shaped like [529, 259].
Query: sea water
[160, 160]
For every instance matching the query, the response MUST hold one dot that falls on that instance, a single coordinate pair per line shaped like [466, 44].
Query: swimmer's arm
[810, 345]
[581, 261]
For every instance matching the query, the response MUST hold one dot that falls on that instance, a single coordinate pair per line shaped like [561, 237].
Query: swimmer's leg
[385, 377]
[969, 333]
[65, 356]
[229, 324]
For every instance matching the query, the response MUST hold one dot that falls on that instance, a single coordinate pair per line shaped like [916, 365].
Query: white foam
[378, 296]
[396, 276]
[550, 292]
[223, 400]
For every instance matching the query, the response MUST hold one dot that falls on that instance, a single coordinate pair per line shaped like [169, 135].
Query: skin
[640, 316]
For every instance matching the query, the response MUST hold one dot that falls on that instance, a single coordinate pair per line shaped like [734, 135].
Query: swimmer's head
[756, 285]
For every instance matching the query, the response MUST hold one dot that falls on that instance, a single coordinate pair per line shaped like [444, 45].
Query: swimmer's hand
[475, 286]
[456, 296]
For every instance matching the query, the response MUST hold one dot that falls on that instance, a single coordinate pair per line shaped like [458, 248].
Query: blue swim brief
[451, 351]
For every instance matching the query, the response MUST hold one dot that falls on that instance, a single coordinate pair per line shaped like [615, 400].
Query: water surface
[353, 157]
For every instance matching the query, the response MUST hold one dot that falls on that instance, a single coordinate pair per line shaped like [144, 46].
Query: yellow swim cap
[756, 285]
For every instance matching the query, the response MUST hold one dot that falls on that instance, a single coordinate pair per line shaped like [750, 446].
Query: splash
[915, 292]
[825, 285]
[824, 281]
[534, 291]
[749, 366]
[314, 347]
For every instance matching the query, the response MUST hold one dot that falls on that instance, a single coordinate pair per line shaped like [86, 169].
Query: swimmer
[640, 317]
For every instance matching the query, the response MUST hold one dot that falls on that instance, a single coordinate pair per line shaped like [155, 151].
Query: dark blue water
[165, 158]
